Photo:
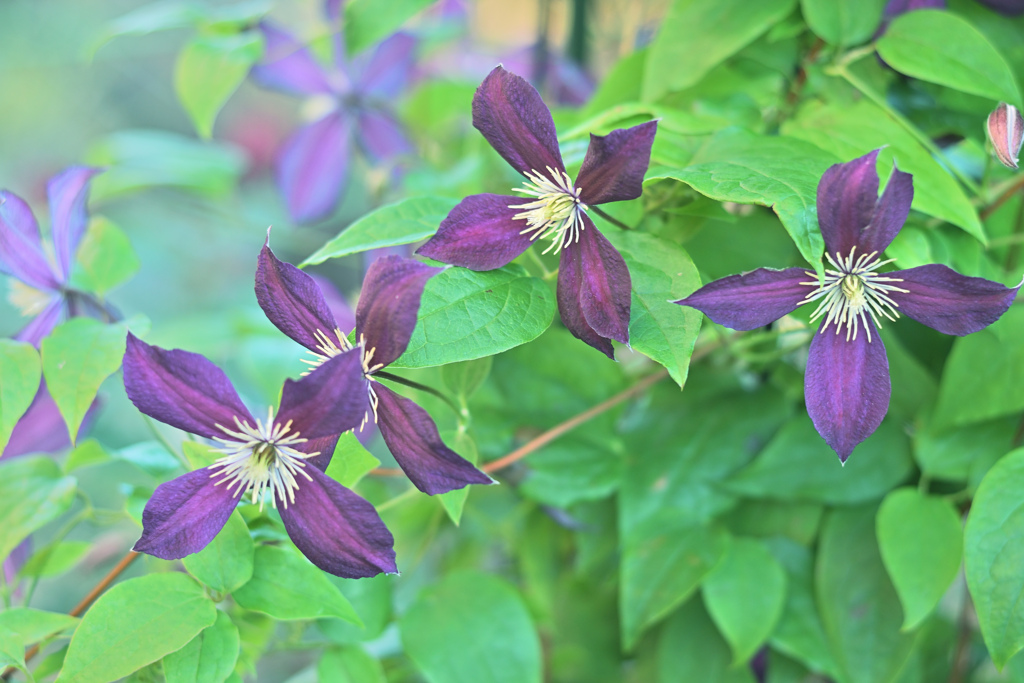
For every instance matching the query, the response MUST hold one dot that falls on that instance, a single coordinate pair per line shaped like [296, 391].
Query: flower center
[327, 349]
[556, 211]
[28, 300]
[852, 291]
[261, 458]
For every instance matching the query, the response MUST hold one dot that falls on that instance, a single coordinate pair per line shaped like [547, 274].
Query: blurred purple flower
[385, 318]
[486, 231]
[336, 529]
[847, 385]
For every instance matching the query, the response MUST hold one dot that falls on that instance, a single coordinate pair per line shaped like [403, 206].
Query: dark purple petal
[324, 446]
[949, 302]
[512, 116]
[754, 299]
[337, 530]
[846, 387]
[292, 301]
[412, 438]
[1010, 8]
[847, 195]
[343, 314]
[43, 324]
[288, 65]
[184, 515]
[614, 168]
[479, 233]
[388, 304]
[313, 166]
[328, 401]
[21, 253]
[386, 71]
[182, 389]
[890, 213]
[382, 136]
[568, 292]
[68, 194]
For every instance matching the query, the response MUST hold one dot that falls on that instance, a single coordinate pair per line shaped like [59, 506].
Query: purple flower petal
[386, 71]
[388, 304]
[949, 302]
[43, 324]
[328, 401]
[292, 300]
[337, 530]
[325, 446]
[847, 195]
[846, 387]
[479, 234]
[412, 438]
[382, 136]
[343, 314]
[570, 285]
[21, 252]
[1010, 8]
[890, 213]
[68, 194]
[512, 116]
[288, 65]
[614, 168]
[182, 389]
[313, 166]
[184, 515]
[333, 9]
[754, 299]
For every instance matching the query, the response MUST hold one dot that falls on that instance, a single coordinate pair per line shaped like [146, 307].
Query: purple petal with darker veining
[614, 168]
[182, 389]
[385, 72]
[68, 194]
[328, 401]
[292, 301]
[184, 515]
[890, 213]
[949, 302]
[343, 314]
[21, 252]
[754, 299]
[603, 289]
[381, 136]
[313, 166]
[846, 387]
[847, 194]
[512, 116]
[43, 324]
[568, 293]
[337, 530]
[288, 65]
[480, 233]
[412, 438]
[323, 447]
[388, 304]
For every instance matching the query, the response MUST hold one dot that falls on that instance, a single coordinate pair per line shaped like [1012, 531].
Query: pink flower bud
[1005, 130]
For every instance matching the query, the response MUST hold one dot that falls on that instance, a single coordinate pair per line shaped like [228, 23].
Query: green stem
[166, 444]
[416, 385]
[400, 498]
[610, 219]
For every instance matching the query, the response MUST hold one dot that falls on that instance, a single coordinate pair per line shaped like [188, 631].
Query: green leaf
[351, 461]
[368, 22]
[768, 518]
[574, 468]
[466, 315]
[86, 453]
[209, 69]
[134, 624]
[462, 379]
[471, 627]
[227, 562]
[994, 554]
[696, 36]
[197, 454]
[660, 272]
[921, 542]
[404, 222]
[744, 594]
[454, 501]
[955, 454]
[286, 586]
[106, 258]
[858, 604]
[783, 173]
[33, 493]
[843, 22]
[941, 47]
[371, 599]
[28, 626]
[349, 665]
[690, 648]
[208, 658]
[20, 372]
[55, 559]
[158, 16]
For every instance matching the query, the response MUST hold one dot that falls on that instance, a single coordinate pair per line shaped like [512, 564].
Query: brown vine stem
[1003, 198]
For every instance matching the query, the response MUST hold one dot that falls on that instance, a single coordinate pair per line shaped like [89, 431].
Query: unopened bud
[1006, 132]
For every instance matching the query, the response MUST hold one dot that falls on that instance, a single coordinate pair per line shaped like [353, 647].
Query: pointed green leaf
[29, 626]
[208, 658]
[690, 648]
[209, 69]
[20, 371]
[368, 22]
[351, 461]
[843, 22]
[33, 493]
[227, 562]
[462, 379]
[454, 501]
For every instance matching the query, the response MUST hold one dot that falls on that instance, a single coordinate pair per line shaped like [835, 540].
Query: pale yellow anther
[556, 212]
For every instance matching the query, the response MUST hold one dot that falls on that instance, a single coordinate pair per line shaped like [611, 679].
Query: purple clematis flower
[312, 167]
[282, 457]
[847, 384]
[487, 231]
[385, 318]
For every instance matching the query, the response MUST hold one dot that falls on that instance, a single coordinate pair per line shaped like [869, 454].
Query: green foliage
[33, 493]
[227, 562]
[367, 22]
[210, 69]
[208, 658]
[20, 372]
[106, 258]
[350, 462]
[690, 649]
[349, 665]
[843, 22]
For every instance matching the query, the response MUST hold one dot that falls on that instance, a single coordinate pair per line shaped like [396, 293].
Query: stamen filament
[557, 212]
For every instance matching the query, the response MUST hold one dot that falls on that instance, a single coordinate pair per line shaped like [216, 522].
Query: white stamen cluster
[260, 459]
[557, 211]
[852, 291]
[327, 349]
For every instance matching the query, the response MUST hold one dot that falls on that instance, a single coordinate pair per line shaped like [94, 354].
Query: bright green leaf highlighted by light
[466, 315]
[33, 493]
[744, 594]
[921, 542]
[404, 222]
[29, 626]
[286, 586]
[690, 648]
[20, 371]
[367, 22]
[349, 665]
[208, 658]
[994, 555]
[210, 69]
[472, 627]
[134, 624]
[351, 461]
[696, 36]
[843, 22]
[106, 258]
[454, 501]
[941, 47]
[227, 562]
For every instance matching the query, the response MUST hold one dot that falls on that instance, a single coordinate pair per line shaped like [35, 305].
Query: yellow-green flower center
[28, 300]
[556, 211]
